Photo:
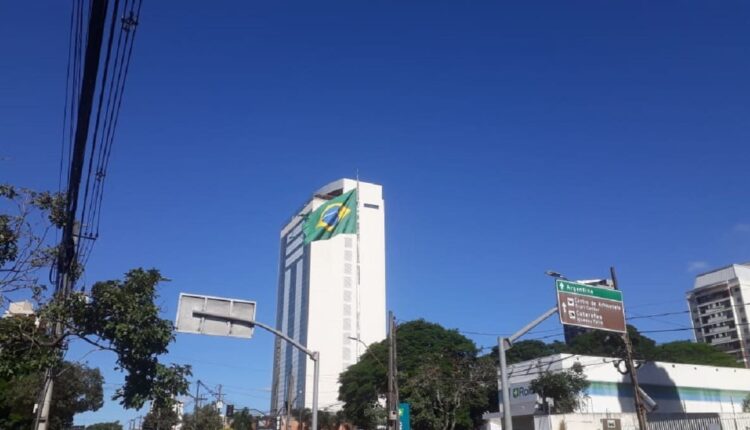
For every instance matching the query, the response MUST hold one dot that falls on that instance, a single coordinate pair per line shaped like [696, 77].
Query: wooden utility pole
[392, 398]
[397, 423]
[389, 397]
[67, 259]
[197, 396]
[640, 409]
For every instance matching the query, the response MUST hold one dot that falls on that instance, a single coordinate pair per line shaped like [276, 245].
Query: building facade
[679, 390]
[331, 298]
[719, 310]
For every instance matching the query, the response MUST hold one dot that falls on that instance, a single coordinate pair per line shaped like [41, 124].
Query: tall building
[320, 302]
[719, 307]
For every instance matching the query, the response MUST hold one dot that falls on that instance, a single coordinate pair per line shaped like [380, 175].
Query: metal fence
[628, 421]
[700, 422]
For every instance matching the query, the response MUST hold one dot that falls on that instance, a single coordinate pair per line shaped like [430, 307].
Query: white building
[678, 389]
[321, 304]
[719, 310]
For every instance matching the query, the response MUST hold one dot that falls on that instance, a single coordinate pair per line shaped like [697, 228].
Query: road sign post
[589, 306]
[220, 316]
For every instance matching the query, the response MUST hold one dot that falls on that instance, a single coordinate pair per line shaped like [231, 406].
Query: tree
[606, 344]
[524, 350]
[431, 361]
[115, 425]
[686, 352]
[204, 418]
[243, 420]
[443, 386]
[118, 315]
[564, 388]
[25, 232]
[163, 418]
[79, 390]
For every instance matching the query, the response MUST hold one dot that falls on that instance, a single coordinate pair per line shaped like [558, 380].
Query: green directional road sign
[404, 416]
[589, 306]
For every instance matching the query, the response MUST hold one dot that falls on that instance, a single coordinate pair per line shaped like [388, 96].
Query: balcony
[720, 329]
[704, 306]
[723, 340]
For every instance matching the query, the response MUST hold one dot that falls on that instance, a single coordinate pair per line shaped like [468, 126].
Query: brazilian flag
[336, 216]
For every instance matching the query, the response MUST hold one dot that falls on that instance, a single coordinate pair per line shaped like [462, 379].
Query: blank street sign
[188, 322]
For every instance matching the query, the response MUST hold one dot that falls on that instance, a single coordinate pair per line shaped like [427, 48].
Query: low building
[719, 310]
[678, 389]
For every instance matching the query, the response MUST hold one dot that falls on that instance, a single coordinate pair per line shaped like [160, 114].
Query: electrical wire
[122, 27]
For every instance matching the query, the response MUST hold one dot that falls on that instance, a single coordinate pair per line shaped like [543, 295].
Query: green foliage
[687, 352]
[115, 425]
[242, 420]
[26, 347]
[439, 374]
[78, 389]
[205, 418]
[746, 404]
[443, 389]
[524, 350]
[330, 421]
[564, 388]
[363, 383]
[606, 344]
[25, 248]
[160, 418]
[121, 316]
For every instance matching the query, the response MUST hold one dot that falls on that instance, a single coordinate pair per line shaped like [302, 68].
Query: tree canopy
[114, 425]
[120, 316]
[204, 418]
[439, 374]
[79, 389]
[564, 388]
[160, 418]
[600, 343]
[243, 420]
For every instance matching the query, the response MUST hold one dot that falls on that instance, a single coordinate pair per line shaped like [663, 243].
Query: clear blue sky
[510, 138]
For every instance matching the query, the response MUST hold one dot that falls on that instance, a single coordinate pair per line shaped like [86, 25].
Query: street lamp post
[367, 349]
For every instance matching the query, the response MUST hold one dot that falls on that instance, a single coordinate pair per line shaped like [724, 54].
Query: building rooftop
[740, 272]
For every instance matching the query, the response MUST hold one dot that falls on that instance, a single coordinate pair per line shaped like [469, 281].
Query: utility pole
[197, 396]
[392, 397]
[67, 260]
[397, 423]
[640, 409]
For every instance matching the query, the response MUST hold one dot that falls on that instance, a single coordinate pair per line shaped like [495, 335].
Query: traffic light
[230, 410]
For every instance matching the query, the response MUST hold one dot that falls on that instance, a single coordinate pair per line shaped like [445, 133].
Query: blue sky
[509, 139]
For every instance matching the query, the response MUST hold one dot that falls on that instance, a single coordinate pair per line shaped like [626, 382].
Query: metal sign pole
[316, 378]
[501, 347]
[315, 355]
[507, 415]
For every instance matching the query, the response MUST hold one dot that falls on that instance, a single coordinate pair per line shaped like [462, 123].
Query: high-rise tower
[331, 297]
